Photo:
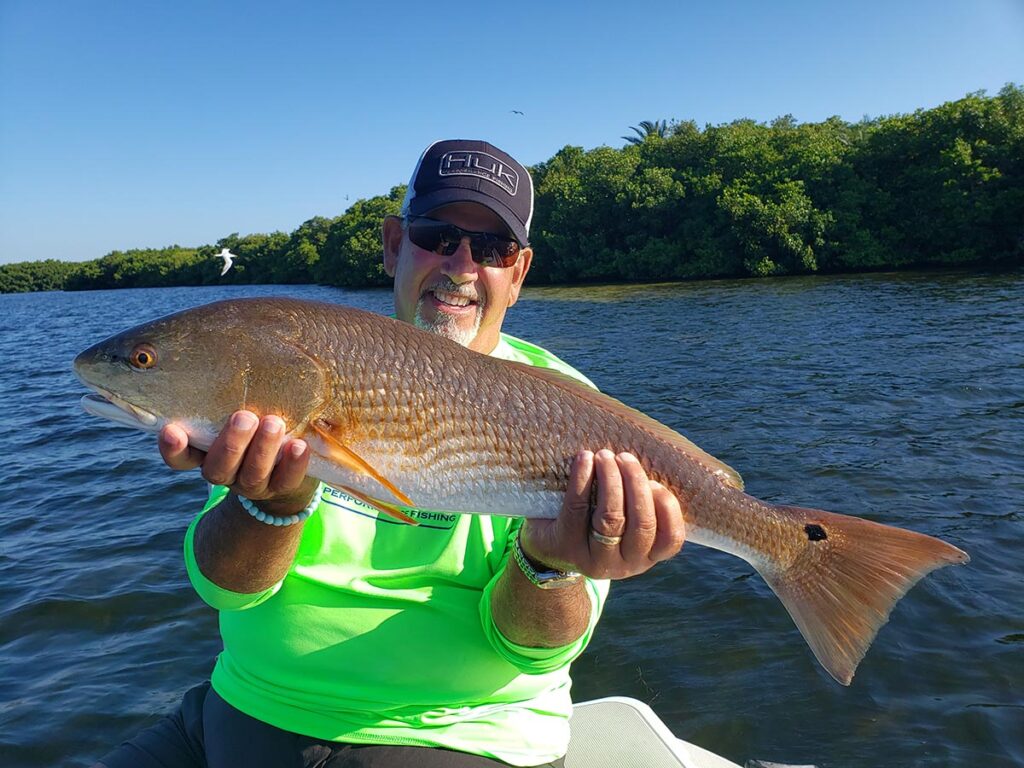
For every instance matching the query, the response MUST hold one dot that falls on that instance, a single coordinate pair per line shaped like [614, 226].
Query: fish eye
[143, 357]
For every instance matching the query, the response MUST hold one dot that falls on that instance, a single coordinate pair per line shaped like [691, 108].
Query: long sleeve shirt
[382, 632]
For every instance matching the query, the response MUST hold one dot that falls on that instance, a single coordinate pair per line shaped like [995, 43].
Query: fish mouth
[107, 405]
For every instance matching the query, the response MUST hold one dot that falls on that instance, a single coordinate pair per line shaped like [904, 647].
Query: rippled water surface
[899, 398]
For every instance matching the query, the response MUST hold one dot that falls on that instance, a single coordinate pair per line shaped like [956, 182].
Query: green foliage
[352, 255]
[24, 276]
[657, 129]
[259, 259]
[938, 187]
[137, 268]
[298, 261]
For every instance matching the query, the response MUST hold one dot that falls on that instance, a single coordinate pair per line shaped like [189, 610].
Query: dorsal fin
[729, 475]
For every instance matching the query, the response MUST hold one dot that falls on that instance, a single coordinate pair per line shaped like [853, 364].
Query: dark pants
[207, 732]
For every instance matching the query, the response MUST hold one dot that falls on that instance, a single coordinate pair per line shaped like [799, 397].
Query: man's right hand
[232, 549]
[244, 457]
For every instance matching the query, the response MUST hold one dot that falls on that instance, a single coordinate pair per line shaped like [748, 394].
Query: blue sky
[142, 124]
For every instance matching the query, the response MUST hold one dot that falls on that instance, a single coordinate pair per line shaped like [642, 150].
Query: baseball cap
[467, 171]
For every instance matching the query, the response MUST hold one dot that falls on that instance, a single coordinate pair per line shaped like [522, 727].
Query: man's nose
[459, 266]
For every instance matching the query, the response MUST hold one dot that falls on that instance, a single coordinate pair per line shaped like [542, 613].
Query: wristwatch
[547, 579]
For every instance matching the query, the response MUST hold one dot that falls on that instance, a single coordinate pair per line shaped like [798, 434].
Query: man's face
[453, 295]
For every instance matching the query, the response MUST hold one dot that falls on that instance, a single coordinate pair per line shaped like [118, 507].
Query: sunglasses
[442, 238]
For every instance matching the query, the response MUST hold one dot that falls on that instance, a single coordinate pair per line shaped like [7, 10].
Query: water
[896, 397]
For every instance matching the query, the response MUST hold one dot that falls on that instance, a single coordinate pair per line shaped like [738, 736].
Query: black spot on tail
[815, 532]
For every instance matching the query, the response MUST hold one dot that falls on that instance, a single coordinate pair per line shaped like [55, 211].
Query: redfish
[403, 418]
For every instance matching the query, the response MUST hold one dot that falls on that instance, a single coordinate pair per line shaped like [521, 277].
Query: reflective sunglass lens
[497, 254]
[443, 239]
[428, 235]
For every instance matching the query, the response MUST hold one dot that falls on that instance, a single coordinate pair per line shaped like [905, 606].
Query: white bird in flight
[229, 258]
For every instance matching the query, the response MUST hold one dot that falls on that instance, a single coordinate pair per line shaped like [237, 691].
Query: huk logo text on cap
[480, 164]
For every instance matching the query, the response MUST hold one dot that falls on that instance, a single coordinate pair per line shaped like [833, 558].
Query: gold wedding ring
[608, 541]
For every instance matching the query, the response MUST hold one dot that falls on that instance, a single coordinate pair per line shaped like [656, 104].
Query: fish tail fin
[841, 581]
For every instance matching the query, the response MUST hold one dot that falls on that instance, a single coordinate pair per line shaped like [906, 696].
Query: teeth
[452, 298]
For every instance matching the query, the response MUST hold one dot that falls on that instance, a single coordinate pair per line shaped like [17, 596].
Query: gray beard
[446, 325]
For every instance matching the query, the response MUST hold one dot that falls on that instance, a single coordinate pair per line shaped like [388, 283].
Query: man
[351, 639]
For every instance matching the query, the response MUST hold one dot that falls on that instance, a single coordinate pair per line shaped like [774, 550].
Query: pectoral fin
[341, 454]
[385, 507]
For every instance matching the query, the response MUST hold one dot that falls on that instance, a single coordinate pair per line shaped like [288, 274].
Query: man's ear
[391, 235]
[519, 274]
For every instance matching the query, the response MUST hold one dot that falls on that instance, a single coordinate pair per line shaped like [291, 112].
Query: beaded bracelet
[281, 522]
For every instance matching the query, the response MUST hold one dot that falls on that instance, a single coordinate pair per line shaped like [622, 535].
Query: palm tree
[646, 128]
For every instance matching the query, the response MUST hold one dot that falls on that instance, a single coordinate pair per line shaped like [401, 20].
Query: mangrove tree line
[942, 186]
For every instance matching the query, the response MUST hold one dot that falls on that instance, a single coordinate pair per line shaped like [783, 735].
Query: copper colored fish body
[400, 417]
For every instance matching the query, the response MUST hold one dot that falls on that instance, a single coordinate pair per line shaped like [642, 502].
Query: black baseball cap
[465, 171]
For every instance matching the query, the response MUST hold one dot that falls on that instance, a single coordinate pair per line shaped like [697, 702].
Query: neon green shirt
[382, 632]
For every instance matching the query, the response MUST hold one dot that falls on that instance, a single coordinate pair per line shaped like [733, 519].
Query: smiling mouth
[107, 405]
[450, 299]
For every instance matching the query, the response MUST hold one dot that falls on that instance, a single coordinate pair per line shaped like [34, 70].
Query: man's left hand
[635, 523]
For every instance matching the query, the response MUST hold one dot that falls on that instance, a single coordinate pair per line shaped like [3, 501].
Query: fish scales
[388, 409]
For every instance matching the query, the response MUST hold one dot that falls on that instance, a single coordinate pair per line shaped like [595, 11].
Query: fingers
[225, 456]
[291, 470]
[255, 459]
[253, 475]
[562, 542]
[175, 450]
[642, 514]
[641, 522]
[575, 515]
[671, 532]
[609, 518]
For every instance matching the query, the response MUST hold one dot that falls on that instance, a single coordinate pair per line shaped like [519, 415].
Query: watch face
[556, 579]
[541, 579]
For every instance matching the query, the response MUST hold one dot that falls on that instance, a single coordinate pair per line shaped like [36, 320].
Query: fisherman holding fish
[397, 611]
[353, 637]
